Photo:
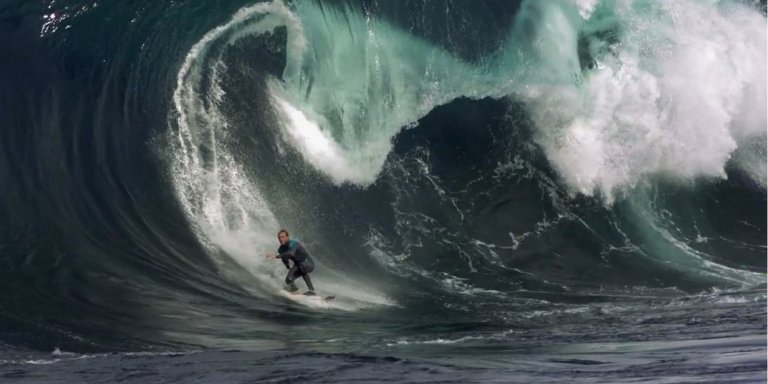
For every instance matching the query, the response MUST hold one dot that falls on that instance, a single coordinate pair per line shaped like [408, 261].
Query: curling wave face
[606, 87]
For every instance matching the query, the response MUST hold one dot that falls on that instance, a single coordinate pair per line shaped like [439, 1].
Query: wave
[449, 166]
[609, 87]
[226, 206]
[606, 86]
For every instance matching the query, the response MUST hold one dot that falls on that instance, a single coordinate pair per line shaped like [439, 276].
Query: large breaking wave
[454, 168]
[618, 96]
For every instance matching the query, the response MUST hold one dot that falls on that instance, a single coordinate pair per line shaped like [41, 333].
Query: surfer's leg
[293, 273]
[308, 281]
[305, 268]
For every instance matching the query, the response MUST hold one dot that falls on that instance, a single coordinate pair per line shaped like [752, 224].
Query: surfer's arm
[290, 253]
[282, 256]
[287, 255]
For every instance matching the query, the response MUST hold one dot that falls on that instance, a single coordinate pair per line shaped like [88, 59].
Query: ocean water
[495, 191]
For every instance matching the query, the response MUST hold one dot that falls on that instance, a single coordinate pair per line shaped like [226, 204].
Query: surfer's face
[283, 238]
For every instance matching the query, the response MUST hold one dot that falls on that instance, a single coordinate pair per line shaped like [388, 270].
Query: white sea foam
[674, 96]
[445, 341]
[315, 145]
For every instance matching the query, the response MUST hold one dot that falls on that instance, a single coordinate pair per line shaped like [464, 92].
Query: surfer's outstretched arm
[284, 257]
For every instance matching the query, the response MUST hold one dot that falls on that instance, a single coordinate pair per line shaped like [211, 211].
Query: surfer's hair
[283, 231]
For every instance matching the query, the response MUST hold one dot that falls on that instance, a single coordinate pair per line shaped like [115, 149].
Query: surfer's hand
[269, 255]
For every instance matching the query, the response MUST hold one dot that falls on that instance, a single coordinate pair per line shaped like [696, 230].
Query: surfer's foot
[309, 293]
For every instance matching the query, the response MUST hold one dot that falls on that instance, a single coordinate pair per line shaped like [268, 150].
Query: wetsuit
[302, 264]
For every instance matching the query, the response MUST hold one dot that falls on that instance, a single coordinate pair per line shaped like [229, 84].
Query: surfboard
[302, 296]
[318, 297]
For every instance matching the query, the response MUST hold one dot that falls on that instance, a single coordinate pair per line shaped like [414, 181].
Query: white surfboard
[312, 301]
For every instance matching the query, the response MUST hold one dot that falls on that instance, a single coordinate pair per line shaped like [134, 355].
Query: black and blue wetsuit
[302, 264]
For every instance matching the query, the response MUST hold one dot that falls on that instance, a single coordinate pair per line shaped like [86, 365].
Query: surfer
[291, 250]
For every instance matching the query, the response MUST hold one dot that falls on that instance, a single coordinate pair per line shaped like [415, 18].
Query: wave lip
[619, 93]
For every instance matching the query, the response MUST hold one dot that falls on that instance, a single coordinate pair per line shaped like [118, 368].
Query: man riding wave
[292, 251]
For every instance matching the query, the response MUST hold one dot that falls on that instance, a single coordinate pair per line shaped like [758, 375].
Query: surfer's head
[283, 236]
